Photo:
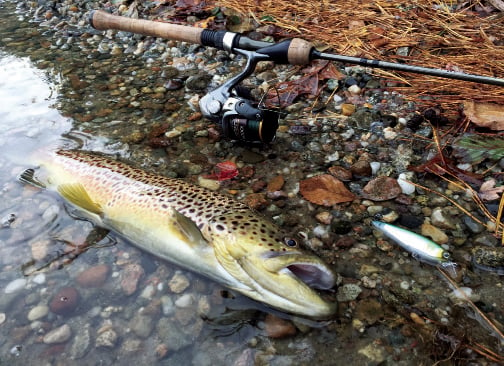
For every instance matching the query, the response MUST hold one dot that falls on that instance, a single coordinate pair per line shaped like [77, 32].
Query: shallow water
[59, 96]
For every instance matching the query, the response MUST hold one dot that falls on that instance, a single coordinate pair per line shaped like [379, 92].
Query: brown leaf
[488, 191]
[325, 190]
[488, 115]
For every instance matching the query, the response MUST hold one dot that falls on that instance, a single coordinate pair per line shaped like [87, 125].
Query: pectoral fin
[28, 177]
[187, 229]
[77, 194]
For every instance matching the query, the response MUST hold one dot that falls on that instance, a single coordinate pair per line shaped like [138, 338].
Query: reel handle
[295, 51]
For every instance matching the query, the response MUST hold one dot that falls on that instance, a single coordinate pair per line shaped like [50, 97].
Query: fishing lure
[420, 247]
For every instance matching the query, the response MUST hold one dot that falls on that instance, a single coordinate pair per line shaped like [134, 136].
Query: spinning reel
[231, 107]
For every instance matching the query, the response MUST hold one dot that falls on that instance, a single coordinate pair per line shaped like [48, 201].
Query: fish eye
[290, 242]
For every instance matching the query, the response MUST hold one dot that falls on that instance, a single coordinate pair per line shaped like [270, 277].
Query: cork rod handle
[102, 20]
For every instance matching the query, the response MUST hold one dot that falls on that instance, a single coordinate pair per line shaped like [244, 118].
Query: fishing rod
[228, 105]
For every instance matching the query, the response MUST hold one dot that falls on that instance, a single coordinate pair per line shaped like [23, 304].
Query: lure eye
[290, 242]
[446, 255]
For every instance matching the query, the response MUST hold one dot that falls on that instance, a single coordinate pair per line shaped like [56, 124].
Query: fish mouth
[310, 270]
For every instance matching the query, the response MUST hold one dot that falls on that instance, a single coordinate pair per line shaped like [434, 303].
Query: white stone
[354, 89]
[58, 335]
[2, 318]
[184, 301]
[15, 285]
[375, 166]
[38, 312]
[148, 292]
[389, 133]
[210, 184]
[39, 279]
[406, 187]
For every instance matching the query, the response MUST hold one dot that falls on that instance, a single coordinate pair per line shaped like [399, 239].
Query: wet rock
[94, 276]
[404, 182]
[369, 310]
[40, 249]
[58, 335]
[341, 173]
[441, 220]
[437, 235]
[38, 312]
[142, 325]
[106, 339]
[184, 301]
[361, 168]
[81, 343]
[172, 335]
[161, 351]
[131, 345]
[179, 283]
[324, 217]
[65, 301]
[347, 109]
[130, 276]
[348, 292]
[276, 327]
[473, 226]
[198, 82]
[275, 184]
[374, 353]
[256, 201]
[15, 285]
[325, 190]
[381, 189]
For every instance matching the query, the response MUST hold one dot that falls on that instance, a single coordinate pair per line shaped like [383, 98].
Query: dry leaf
[488, 115]
[325, 190]
[488, 191]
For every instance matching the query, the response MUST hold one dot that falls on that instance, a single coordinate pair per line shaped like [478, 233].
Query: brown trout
[198, 229]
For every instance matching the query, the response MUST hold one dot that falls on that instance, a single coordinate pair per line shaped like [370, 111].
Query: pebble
[179, 283]
[107, 339]
[184, 301]
[276, 327]
[94, 276]
[441, 220]
[406, 186]
[210, 184]
[81, 343]
[354, 89]
[348, 292]
[167, 306]
[461, 295]
[381, 188]
[347, 109]
[130, 276]
[437, 235]
[38, 312]
[15, 285]
[64, 301]
[3, 317]
[39, 279]
[142, 325]
[58, 335]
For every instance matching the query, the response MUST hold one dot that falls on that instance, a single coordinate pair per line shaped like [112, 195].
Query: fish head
[269, 266]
